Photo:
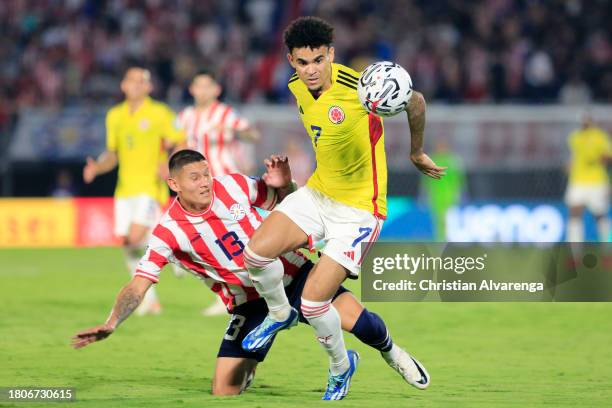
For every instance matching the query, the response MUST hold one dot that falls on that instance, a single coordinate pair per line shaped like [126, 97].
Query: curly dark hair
[311, 32]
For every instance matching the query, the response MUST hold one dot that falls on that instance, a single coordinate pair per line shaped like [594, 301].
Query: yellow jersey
[588, 147]
[348, 143]
[138, 139]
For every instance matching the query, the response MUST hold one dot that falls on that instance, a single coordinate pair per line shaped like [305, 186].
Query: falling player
[343, 203]
[138, 132]
[205, 230]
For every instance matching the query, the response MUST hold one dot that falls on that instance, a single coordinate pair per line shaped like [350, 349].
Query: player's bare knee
[234, 377]
[311, 292]
[225, 390]
[255, 242]
[225, 386]
[323, 282]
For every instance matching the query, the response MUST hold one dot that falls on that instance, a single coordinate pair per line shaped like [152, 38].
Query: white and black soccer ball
[384, 88]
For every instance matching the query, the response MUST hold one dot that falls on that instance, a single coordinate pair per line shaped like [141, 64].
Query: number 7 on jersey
[317, 133]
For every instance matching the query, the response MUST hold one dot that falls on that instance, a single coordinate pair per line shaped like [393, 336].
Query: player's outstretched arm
[105, 163]
[416, 110]
[127, 301]
[278, 176]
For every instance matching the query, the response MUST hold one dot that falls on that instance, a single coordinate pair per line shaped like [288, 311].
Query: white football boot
[413, 372]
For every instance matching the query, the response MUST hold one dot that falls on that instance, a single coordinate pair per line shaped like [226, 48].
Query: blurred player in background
[342, 204]
[589, 184]
[205, 230]
[211, 127]
[139, 132]
[445, 193]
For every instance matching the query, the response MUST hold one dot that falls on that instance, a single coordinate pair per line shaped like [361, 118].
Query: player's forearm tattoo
[126, 303]
[416, 120]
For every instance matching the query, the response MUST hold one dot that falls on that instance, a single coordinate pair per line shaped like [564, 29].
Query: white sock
[276, 299]
[267, 276]
[392, 354]
[603, 228]
[325, 320]
[575, 230]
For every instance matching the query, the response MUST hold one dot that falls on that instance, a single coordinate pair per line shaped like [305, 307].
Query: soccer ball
[384, 88]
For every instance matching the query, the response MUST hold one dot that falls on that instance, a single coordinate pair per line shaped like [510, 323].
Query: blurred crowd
[67, 52]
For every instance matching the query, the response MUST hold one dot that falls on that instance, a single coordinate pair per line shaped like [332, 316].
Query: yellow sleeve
[111, 131]
[172, 129]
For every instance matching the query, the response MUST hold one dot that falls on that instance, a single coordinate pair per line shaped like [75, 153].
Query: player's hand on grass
[427, 166]
[278, 172]
[90, 170]
[100, 332]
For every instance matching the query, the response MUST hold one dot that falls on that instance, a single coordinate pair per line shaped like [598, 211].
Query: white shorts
[596, 197]
[140, 209]
[342, 228]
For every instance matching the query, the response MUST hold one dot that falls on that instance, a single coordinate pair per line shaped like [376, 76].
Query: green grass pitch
[478, 354]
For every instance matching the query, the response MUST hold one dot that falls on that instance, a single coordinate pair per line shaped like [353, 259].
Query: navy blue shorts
[249, 315]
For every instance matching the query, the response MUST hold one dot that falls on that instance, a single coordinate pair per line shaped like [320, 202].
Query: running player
[205, 230]
[343, 203]
[138, 132]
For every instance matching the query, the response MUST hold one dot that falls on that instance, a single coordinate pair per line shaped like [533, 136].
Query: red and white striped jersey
[212, 133]
[210, 244]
